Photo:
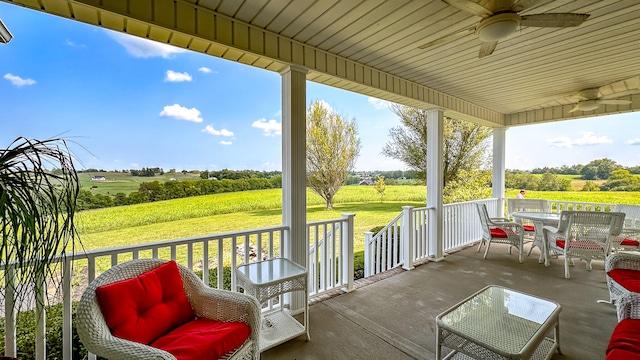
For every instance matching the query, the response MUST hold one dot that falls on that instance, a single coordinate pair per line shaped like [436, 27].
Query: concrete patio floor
[394, 317]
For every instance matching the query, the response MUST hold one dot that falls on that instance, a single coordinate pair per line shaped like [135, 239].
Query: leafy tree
[380, 186]
[332, 149]
[522, 180]
[472, 185]
[465, 144]
[590, 186]
[552, 182]
[621, 180]
[603, 168]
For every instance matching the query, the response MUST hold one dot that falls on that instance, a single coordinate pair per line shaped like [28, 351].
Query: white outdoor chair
[531, 205]
[628, 239]
[583, 234]
[499, 230]
[623, 276]
[206, 302]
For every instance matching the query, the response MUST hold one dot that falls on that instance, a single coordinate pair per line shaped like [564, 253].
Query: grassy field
[117, 182]
[219, 213]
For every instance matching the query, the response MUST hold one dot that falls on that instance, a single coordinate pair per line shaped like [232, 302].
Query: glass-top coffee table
[499, 323]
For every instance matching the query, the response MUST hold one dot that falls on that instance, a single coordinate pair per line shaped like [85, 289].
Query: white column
[435, 180]
[497, 175]
[294, 171]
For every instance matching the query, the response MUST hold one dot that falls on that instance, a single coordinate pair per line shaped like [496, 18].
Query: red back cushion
[143, 308]
[624, 343]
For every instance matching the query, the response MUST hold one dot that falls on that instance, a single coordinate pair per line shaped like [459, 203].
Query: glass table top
[540, 216]
[271, 270]
[500, 318]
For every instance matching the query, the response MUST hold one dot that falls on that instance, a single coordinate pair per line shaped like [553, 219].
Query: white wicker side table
[269, 279]
[499, 323]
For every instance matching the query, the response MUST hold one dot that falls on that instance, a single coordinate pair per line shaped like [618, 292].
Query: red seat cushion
[498, 233]
[627, 242]
[624, 343]
[628, 279]
[203, 339]
[529, 228]
[579, 244]
[141, 309]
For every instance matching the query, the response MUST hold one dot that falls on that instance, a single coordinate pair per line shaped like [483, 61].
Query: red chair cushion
[498, 233]
[628, 279]
[627, 242]
[624, 343]
[529, 228]
[203, 339]
[141, 309]
[579, 244]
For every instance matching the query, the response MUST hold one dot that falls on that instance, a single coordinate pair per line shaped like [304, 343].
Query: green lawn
[219, 213]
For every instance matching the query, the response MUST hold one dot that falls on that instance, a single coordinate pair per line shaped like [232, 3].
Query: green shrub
[26, 334]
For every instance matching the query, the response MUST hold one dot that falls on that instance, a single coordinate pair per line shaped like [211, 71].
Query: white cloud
[181, 113]
[269, 127]
[210, 130]
[325, 105]
[144, 48]
[378, 104]
[635, 141]
[225, 142]
[561, 142]
[173, 76]
[205, 70]
[72, 44]
[587, 139]
[134, 165]
[18, 81]
[278, 113]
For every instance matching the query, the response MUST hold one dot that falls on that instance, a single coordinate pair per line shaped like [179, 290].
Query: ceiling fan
[500, 20]
[591, 99]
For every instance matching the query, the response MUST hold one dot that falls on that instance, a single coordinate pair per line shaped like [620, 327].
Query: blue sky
[128, 103]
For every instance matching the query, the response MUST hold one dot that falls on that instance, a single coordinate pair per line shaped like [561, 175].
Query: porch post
[435, 180]
[294, 172]
[497, 175]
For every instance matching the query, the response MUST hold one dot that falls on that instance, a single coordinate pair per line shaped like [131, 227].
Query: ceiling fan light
[498, 27]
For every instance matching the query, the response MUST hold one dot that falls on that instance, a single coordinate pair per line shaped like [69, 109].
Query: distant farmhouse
[366, 182]
[98, 178]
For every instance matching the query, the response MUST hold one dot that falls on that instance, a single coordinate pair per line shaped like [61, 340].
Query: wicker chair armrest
[622, 261]
[629, 306]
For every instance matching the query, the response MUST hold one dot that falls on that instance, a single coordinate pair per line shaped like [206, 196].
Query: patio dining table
[539, 219]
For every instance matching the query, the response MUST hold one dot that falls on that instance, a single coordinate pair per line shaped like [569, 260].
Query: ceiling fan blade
[470, 7]
[449, 38]
[554, 20]
[487, 49]
[575, 108]
[615, 102]
[621, 93]
[524, 5]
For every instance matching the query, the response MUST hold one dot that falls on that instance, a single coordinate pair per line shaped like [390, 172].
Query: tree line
[158, 191]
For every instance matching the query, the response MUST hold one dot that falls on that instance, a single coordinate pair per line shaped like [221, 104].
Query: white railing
[330, 254]
[461, 227]
[330, 241]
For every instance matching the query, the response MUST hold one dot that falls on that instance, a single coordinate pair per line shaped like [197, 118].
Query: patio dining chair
[585, 235]
[156, 309]
[531, 205]
[497, 230]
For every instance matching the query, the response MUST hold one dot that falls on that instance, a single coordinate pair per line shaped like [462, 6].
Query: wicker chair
[531, 205]
[623, 275]
[206, 302]
[629, 238]
[583, 234]
[499, 230]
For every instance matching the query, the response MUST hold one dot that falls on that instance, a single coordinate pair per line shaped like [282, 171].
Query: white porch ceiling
[371, 47]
